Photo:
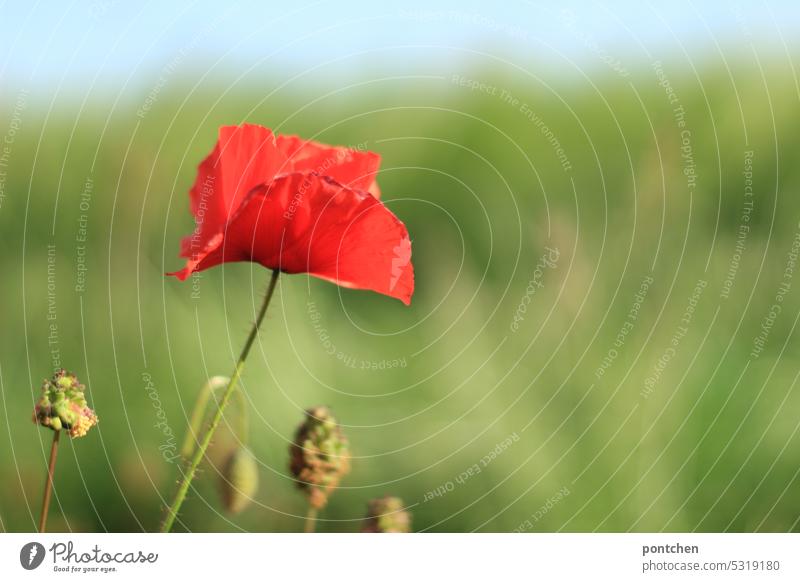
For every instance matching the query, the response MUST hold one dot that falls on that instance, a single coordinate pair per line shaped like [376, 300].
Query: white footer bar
[333, 557]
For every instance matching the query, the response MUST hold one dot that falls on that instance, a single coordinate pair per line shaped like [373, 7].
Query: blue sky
[72, 41]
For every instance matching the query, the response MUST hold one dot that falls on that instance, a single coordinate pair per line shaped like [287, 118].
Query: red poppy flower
[299, 206]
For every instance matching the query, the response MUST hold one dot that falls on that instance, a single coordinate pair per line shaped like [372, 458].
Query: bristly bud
[319, 456]
[386, 515]
[239, 480]
[63, 405]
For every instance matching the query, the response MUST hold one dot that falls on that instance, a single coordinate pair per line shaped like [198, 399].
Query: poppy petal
[352, 167]
[244, 156]
[306, 223]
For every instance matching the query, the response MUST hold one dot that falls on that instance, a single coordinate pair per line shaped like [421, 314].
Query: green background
[483, 193]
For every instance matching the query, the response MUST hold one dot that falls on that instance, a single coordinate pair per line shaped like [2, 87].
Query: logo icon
[31, 555]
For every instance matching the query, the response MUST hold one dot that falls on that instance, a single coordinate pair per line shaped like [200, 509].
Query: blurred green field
[707, 441]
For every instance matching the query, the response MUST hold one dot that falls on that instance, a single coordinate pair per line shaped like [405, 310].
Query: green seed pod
[239, 480]
[387, 515]
[63, 405]
[319, 456]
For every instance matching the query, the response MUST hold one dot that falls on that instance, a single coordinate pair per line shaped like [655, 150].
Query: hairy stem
[311, 520]
[48, 488]
[202, 446]
[190, 442]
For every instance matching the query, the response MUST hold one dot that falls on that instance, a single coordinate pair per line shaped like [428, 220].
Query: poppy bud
[319, 456]
[239, 480]
[386, 515]
[63, 405]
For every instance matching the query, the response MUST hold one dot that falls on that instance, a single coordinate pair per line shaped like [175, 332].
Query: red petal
[243, 157]
[304, 223]
[353, 168]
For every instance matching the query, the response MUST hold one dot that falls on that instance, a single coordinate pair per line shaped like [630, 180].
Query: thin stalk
[311, 520]
[205, 441]
[48, 488]
[199, 413]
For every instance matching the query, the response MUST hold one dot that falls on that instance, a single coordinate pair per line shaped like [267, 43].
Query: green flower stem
[311, 520]
[199, 413]
[205, 441]
[48, 488]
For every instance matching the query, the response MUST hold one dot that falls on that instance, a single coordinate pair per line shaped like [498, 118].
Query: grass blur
[712, 446]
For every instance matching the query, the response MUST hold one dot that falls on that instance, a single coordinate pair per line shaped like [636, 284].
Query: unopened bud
[239, 480]
[319, 456]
